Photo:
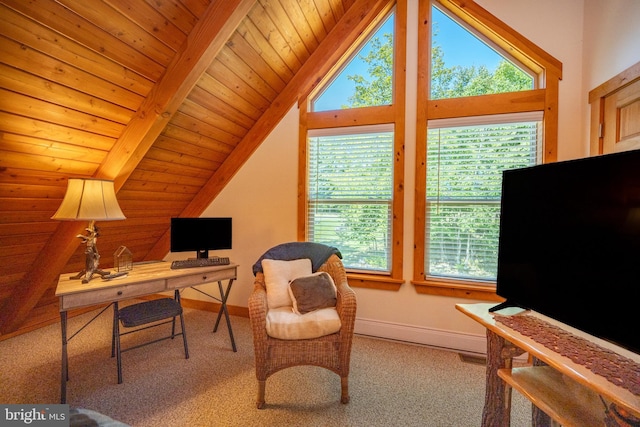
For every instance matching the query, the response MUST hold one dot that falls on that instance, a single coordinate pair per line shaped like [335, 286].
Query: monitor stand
[202, 254]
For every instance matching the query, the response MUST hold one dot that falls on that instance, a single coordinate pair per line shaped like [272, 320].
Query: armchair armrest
[346, 303]
[258, 308]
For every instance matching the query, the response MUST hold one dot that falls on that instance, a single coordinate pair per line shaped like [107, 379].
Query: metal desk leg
[116, 331]
[64, 377]
[223, 309]
[65, 358]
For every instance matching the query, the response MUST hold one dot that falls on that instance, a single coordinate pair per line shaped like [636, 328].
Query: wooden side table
[561, 389]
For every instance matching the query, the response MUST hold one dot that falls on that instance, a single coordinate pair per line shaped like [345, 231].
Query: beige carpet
[391, 384]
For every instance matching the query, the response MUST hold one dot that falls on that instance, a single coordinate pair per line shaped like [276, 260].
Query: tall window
[353, 155]
[466, 156]
[488, 103]
[350, 196]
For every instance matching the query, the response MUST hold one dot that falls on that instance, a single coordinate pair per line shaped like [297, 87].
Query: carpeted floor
[391, 383]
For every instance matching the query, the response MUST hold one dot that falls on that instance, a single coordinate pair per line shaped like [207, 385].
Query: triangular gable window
[463, 63]
[367, 78]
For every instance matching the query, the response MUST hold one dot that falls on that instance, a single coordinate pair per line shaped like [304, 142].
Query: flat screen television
[569, 244]
[200, 235]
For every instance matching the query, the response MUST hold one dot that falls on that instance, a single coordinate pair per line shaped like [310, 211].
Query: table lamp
[89, 200]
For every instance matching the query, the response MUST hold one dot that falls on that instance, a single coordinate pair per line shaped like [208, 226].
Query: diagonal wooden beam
[202, 45]
[340, 40]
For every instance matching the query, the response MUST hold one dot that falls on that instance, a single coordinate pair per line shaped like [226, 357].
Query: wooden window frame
[549, 71]
[387, 114]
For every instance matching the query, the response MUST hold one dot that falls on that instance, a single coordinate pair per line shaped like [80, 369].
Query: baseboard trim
[449, 340]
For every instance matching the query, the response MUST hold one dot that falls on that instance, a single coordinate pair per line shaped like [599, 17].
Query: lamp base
[87, 276]
[92, 257]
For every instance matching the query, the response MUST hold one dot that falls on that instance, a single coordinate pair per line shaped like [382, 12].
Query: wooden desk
[567, 392]
[145, 279]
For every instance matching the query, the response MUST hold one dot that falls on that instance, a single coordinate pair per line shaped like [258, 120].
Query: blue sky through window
[460, 47]
[339, 91]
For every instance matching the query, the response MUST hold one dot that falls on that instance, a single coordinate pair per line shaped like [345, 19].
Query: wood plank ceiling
[166, 97]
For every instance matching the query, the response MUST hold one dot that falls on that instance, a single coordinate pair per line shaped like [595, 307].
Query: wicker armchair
[332, 351]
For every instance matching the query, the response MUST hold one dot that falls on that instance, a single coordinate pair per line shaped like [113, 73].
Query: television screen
[200, 235]
[569, 243]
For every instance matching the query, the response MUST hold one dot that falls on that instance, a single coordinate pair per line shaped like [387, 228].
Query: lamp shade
[89, 200]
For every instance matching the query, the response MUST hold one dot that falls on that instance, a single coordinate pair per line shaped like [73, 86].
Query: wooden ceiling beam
[202, 46]
[204, 42]
[346, 32]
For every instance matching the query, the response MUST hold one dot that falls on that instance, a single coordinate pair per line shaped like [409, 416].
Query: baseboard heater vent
[476, 360]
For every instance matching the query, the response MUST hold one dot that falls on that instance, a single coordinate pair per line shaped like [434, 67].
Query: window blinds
[464, 181]
[350, 190]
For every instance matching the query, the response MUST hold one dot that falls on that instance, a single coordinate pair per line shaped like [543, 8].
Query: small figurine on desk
[92, 257]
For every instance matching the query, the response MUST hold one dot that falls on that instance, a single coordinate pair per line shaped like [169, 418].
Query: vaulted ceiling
[168, 98]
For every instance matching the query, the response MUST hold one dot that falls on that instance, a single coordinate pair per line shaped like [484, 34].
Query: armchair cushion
[284, 324]
[310, 293]
[277, 276]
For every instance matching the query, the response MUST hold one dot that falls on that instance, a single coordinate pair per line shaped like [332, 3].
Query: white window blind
[464, 184]
[350, 192]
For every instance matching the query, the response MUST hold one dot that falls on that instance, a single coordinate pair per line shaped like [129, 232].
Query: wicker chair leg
[344, 381]
[260, 401]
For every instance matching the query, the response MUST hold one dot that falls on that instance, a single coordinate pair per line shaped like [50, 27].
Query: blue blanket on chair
[316, 252]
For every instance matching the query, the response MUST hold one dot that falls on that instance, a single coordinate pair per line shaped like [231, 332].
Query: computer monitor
[200, 235]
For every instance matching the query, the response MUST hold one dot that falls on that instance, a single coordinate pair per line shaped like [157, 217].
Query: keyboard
[199, 262]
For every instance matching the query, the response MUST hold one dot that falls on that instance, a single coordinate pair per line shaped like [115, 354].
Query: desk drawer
[200, 278]
[115, 293]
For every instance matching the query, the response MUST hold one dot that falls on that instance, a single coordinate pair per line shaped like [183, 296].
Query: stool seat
[149, 311]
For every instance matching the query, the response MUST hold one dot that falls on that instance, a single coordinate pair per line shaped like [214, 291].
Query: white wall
[611, 40]
[611, 43]
[262, 197]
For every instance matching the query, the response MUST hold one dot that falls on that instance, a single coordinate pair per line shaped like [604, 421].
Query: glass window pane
[362, 231]
[350, 194]
[367, 79]
[463, 240]
[464, 185]
[464, 65]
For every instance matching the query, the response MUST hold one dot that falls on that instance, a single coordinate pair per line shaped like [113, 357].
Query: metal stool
[146, 313]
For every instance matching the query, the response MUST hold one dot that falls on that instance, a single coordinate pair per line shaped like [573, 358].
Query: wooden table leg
[497, 400]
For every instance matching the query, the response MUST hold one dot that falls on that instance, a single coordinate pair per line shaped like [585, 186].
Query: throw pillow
[313, 292]
[277, 276]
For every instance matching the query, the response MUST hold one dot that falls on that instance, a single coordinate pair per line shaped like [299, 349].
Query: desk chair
[151, 313]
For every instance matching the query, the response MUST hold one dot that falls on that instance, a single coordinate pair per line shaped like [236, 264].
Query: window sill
[456, 288]
[372, 281]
